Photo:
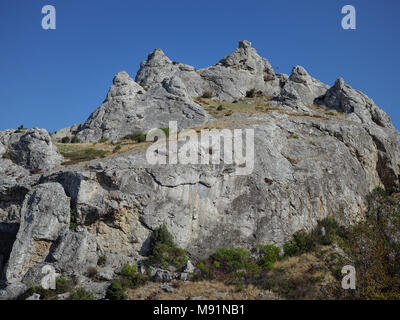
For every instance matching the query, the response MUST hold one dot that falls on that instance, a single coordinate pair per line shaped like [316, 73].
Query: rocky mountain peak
[339, 84]
[123, 87]
[157, 59]
[246, 58]
[121, 78]
[244, 44]
[300, 75]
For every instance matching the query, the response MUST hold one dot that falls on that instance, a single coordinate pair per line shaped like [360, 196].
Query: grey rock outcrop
[12, 291]
[229, 79]
[35, 296]
[129, 108]
[300, 89]
[2, 150]
[64, 132]
[74, 252]
[45, 213]
[32, 149]
[239, 72]
[357, 105]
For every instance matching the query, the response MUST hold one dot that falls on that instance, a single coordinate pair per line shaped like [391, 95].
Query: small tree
[65, 140]
[207, 95]
[116, 291]
[75, 140]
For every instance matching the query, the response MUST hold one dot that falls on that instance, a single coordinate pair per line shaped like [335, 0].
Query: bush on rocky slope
[163, 251]
[62, 286]
[116, 291]
[373, 248]
[81, 294]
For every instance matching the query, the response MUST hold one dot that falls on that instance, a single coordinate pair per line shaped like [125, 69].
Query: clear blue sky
[56, 78]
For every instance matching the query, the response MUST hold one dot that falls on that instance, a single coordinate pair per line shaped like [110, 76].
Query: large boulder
[74, 252]
[33, 149]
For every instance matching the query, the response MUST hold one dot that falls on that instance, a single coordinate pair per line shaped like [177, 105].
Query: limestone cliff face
[308, 165]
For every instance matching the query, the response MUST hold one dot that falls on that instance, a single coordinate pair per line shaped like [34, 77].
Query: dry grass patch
[327, 112]
[81, 152]
[301, 277]
[202, 290]
[220, 109]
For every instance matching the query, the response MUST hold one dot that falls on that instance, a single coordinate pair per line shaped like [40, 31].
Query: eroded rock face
[74, 252]
[45, 213]
[229, 79]
[300, 89]
[357, 105]
[129, 108]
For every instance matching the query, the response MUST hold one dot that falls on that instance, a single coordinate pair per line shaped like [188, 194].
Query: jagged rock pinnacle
[244, 44]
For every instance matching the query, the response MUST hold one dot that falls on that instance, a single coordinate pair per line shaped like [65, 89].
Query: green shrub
[333, 231]
[75, 140]
[81, 294]
[65, 140]
[251, 93]
[372, 246]
[165, 256]
[102, 140]
[20, 129]
[207, 95]
[72, 223]
[117, 148]
[300, 243]
[140, 92]
[164, 252]
[279, 282]
[220, 107]
[161, 235]
[137, 137]
[131, 278]
[232, 259]
[63, 285]
[116, 291]
[44, 294]
[268, 255]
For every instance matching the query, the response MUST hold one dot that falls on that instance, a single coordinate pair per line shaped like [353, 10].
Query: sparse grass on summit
[220, 109]
[81, 152]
